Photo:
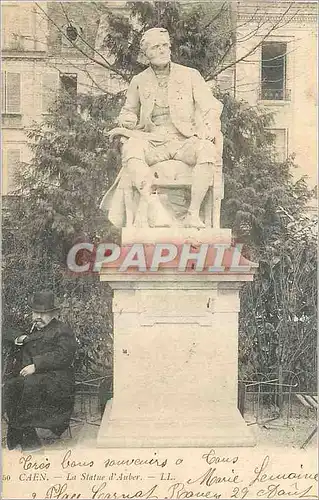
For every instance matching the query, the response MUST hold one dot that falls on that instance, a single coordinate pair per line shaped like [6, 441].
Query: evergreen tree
[56, 206]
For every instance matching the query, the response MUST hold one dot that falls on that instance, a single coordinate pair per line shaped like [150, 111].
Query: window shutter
[4, 173]
[3, 91]
[49, 89]
[13, 159]
[13, 92]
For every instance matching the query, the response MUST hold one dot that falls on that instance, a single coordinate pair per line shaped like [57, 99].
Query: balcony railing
[274, 94]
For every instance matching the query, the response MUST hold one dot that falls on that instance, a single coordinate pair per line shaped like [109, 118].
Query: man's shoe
[31, 441]
[14, 437]
[58, 431]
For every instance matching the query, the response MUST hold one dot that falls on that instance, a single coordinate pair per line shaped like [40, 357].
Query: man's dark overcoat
[44, 399]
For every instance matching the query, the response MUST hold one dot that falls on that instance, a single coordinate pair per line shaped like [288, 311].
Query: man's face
[159, 52]
[41, 319]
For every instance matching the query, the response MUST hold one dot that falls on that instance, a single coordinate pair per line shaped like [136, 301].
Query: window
[273, 71]
[281, 142]
[49, 88]
[11, 159]
[52, 82]
[11, 93]
[19, 27]
[68, 83]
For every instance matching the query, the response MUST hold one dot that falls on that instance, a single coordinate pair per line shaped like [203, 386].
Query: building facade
[23, 56]
[280, 73]
[38, 58]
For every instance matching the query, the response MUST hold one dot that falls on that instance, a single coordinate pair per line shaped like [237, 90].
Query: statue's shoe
[193, 220]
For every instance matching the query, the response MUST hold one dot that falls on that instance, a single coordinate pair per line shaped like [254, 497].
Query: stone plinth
[175, 362]
[148, 235]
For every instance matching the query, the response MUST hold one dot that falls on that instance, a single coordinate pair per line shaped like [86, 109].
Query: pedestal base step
[219, 430]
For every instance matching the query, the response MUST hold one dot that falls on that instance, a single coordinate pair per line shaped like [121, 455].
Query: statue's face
[159, 52]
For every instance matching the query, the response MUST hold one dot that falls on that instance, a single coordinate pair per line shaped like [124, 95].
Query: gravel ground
[275, 433]
[278, 434]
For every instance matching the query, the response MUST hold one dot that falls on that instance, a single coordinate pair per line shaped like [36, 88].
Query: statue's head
[156, 46]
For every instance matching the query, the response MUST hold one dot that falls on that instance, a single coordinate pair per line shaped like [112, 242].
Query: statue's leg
[201, 179]
[199, 153]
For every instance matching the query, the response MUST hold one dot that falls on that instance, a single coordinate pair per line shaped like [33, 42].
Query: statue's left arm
[210, 109]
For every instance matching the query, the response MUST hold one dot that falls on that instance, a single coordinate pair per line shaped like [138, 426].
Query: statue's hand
[117, 132]
[112, 134]
[128, 124]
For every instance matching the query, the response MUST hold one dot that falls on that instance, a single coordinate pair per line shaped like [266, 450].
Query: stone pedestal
[179, 235]
[175, 362]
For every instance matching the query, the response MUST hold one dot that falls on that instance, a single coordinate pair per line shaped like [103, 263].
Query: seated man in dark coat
[41, 392]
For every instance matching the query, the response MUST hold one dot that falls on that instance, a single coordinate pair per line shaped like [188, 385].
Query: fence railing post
[241, 397]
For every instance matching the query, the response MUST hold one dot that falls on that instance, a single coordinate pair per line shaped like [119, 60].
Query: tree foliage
[201, 35]
[56, 206]
[73, 164]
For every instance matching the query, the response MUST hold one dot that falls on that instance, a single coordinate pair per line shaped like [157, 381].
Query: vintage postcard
[159, 222]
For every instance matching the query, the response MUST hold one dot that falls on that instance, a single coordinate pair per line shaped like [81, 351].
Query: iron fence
[263, 400]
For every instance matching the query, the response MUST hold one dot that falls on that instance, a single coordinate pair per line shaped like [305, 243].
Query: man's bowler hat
[43, 302]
